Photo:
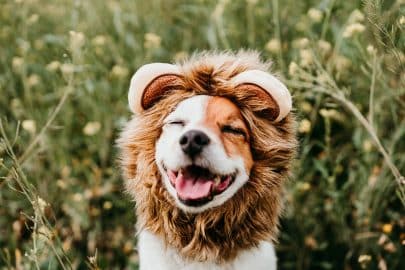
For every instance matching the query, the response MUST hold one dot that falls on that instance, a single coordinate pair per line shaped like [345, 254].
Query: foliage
[64, 73]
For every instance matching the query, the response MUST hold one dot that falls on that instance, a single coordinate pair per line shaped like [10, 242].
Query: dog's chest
[154, 255]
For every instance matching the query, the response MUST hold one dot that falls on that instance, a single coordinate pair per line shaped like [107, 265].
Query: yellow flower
[53, 66]
[293, 68]
[353, 29]
[180, 56]
[33, 19]
[387, 228]
[67, 68]
[371, 50]
[33, 80]
[107, 205]
[402, 20]
[367, 146]
[273, 46]
[76, 39]
[324, 46]
[341, 63]
[364, 260]
[99, 40]
[315, 15]
[300, 43]
[152, 40]
[305, 106]
[91, 128]
[17, 63]
[29, 125]
[304, 187]
[307, 57]
[119, 71]
[305, 126]
[356, 16]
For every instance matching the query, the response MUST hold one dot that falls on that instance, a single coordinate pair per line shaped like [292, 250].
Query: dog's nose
[193, 141]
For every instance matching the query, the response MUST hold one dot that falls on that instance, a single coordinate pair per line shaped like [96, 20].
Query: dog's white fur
[154, 254]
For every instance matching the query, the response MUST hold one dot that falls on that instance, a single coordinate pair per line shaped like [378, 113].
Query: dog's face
[203, 153]
[207, 151]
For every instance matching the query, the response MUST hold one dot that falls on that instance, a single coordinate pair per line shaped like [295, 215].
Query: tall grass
[64, 73]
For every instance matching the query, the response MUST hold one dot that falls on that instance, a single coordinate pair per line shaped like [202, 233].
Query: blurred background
[65, 68]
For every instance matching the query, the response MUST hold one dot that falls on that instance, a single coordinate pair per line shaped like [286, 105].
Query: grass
[64, 73]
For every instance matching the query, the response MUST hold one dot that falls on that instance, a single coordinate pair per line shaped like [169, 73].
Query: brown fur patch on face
[251, 215]
[221, 117]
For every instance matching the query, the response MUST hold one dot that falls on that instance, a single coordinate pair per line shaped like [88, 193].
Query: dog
[205, 157]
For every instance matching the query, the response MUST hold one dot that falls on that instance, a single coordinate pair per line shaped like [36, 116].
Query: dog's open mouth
[196, 185]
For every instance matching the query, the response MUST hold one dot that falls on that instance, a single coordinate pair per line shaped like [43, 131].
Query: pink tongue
[189, 188]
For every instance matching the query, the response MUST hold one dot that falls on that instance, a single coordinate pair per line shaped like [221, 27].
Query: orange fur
[251, 215]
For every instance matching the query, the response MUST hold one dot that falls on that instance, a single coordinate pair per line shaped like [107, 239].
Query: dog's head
[211, 140]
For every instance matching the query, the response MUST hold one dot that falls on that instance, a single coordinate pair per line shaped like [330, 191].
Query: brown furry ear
[267, 88]
[150, 83]
[271, 110]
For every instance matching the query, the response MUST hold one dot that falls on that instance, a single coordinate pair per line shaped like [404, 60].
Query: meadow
[65, 68]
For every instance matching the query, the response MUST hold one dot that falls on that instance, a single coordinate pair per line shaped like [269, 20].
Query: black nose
[193, 141]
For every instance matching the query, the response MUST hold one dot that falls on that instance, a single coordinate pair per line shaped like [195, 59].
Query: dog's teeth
[217, 180]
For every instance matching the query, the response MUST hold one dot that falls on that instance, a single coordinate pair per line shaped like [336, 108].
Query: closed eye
[233, 130]
[176, 123]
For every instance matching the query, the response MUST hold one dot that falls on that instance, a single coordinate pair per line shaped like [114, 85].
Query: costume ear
[268, 88]
[149, 83]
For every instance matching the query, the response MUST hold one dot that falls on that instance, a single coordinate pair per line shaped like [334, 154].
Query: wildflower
[119, 71]
[128, 247]
[77, 197]
[39, 44]
[329, 113]
[61, 184]
[152, 41]
[390, 247]
[311, 242]
[315, 15]
[306, 57]
[33, 80]
[29, 125]
[40, 205]
[292, 68]
[402, 20]
[273, 46]
[387, 228]
[324, 46]
[23, 46]
[305, 126]
[53, 66]
[67, 68]
[304, 186]
[353, 29]
[305, 106]
[99, 40]
[367, 146]
[356, 16]
[91, 128]
[364, 260]
[301, 43]
[33, 19]
[76, 39]
[17, 63]
[107, 205]
[341, 63]
[371, 50]
[181, 55]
